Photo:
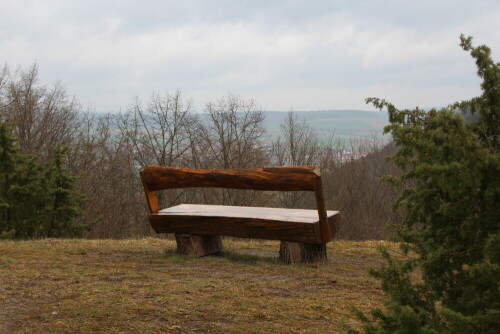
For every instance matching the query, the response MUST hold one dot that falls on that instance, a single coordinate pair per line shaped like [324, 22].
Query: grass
[143, 286]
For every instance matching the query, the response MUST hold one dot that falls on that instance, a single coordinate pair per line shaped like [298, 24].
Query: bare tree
[4, 72]
[352, 172]
[234, 130]
[108, 173]
[158, 133]
[231, 136]
[107, 152]
[297, 145]
[42, 117]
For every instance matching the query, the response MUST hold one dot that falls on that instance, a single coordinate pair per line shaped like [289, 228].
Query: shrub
[36, 199]
[450, 197]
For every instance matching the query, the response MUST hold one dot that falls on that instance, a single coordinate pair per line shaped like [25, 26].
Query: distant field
[142, 286]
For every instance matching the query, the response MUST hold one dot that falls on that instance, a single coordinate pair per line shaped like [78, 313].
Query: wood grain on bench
[305, 178]
[277, 179]
[247, 222]
[197, 228]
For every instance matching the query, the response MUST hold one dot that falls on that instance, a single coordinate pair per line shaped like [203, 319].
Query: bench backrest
[307, 178]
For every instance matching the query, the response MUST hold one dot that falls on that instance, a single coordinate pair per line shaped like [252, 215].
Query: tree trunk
[301, 253]
[198, 245]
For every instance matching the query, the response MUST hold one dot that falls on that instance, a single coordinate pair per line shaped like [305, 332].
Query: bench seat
[244, 222]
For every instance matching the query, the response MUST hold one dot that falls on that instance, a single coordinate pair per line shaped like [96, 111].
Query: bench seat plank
[244, 222]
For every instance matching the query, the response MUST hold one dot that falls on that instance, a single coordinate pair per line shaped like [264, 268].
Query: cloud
[322, 54]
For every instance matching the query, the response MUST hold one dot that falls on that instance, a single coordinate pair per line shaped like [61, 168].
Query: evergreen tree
[8, 153]
[27, 196]
[36, 200]
[451, 201]
[65, 203]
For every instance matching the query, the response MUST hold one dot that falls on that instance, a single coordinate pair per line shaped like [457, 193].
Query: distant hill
[345, 123]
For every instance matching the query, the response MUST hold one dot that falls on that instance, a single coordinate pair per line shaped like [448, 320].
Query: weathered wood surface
[306, 178]
[244, 222]
[325, 229]
[277, 179]
[198, 245]
[304, 233]
[151, 198]
[302, 253]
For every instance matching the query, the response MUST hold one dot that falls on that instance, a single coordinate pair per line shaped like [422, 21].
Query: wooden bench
[303, 233]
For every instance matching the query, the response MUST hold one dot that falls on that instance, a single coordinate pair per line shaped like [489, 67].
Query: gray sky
[306, 55]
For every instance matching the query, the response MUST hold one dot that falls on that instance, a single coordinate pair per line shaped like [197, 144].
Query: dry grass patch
[142, 286]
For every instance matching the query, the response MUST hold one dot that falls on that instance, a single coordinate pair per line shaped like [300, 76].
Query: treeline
[100, 156]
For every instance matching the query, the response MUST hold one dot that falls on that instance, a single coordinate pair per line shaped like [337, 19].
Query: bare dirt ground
[142, 286]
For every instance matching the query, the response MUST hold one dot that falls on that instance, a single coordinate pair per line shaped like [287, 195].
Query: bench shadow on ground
[240, 256]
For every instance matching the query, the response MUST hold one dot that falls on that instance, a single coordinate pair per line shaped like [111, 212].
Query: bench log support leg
[198, 245]
[301, 253]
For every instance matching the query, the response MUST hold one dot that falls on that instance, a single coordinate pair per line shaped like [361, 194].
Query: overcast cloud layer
[308, 55]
